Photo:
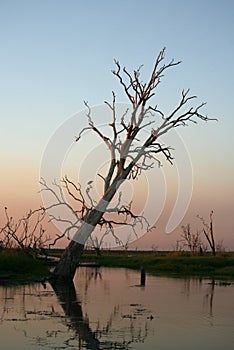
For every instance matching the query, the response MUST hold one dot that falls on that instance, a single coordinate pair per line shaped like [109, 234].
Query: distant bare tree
[220, 248]
[131, 152]
[190, 240]
[208, 231]
[95, 243]
[154, 248]
[26, 233]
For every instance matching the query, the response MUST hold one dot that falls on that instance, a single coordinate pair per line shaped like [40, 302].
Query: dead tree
[131, 152]
[208, 231]
[26, 233]
[190, 240]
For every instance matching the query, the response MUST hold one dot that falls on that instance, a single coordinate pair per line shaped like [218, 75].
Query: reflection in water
[117, 321]
[108, 335]
[66, 294]
[209, 297]
[106, 309]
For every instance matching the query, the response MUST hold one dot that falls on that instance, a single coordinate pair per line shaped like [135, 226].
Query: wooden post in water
[142, 276]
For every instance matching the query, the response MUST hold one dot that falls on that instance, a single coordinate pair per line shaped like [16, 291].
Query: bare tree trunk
[66, 268]
[213, 247]
[97, 251]
[209, 234]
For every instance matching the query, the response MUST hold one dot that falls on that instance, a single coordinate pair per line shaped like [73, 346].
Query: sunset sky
[56, 54]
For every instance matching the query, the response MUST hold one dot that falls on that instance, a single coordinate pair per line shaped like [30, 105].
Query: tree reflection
[70, 321]
[209, 297]
[67, 297]
[190, 283]
[117, 332]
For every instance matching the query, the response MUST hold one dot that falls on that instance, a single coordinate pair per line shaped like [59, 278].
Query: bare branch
[26, 233]
[209, 232]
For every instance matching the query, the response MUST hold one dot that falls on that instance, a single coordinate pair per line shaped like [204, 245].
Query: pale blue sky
[55, 54]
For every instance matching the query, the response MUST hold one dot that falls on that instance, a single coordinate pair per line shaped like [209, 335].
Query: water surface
[107, 309]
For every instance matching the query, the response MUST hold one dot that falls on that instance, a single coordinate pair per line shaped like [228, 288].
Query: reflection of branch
[210, 297]
[104, 335]
[67, 297]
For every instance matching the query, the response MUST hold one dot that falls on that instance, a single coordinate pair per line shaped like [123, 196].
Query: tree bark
[66, 268]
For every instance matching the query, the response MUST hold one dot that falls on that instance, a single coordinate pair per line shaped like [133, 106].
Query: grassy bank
[220, 267]
[18, 267]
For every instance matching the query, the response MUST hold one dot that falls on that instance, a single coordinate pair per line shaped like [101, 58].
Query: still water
[107, 309]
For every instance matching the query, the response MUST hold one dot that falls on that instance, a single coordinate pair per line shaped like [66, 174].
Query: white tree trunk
[66, 268]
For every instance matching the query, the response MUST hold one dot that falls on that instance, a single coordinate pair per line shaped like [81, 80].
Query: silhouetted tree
[190, 240]
[26, 233]
[208, 231]
[131, 152]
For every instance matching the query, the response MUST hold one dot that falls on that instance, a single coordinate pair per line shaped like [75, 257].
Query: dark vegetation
[25, 247]
[170, 263]
[16, 266]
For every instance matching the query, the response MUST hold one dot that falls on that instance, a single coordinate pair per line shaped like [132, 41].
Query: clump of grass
[180, 265]
[226, 271]
[17, 266]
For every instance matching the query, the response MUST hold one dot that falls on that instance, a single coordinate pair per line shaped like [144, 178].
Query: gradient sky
[56, 54]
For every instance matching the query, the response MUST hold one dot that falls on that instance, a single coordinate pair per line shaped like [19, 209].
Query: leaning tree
[131, 152]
